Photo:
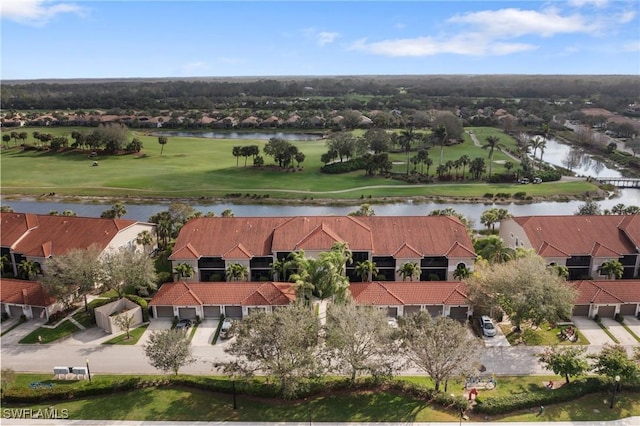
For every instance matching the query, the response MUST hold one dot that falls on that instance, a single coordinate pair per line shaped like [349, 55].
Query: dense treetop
[312, 92]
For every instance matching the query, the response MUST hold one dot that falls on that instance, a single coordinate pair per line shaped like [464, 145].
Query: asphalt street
[119, 359]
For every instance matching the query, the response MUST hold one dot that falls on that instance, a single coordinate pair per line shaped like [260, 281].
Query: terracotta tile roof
[216, 236]
[289, 234]
[22, 292]
[186, 252]
[409, 293]
[13, 226]
[237, 252]
[602, 292]
[240, 293]
[56, 235]
[630, 225]
[407, 252]
[604, 236]
[429, 235]
[263, 236]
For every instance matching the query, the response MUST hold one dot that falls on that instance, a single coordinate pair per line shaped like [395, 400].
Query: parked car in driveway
[227, 329]
[487, 327]
[183, 324]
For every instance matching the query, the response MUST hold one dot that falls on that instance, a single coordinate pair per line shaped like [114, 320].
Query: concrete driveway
[204, 333]
[592, 331]
[154, 325]
[620, 333]
[633, 323]
[498, 340]
[15, 335]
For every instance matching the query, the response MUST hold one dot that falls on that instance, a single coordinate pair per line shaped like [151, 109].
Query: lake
[249, 135]
[582, 164]
[142, 212]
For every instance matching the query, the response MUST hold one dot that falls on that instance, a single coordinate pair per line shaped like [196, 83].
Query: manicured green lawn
[86, 318]
[543, 335]
[186, 404]
[64, 329]
[197, 167]
[134, 335]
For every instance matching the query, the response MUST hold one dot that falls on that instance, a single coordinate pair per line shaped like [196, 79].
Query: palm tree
[366, 270]
[145, 239]
[406, 139]
[613, 269]
[541, 147]
[423, 157]
[29, 268]
[464, 162]
[184, 270]
[237, 152]
[237, 272]
[535, 144]
[3, 261]
[440, 136]
[410, 270]
[493, 143]
[162, 140]
[461, 272]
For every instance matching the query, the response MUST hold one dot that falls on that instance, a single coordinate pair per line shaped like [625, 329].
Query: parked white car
[487, 327]
[226, 331]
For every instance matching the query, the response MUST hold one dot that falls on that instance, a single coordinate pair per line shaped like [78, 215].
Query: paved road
[118, 359]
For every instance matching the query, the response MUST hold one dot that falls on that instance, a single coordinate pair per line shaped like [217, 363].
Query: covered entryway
[392, 312]
[164, 311]
[581, 311]
[187, 313]
[411, 310]
[606, 311]
[15, 311]
[458, 313]
[233, 312]
[434, 311]
[212, 311]
[628, 309]
[38, 312]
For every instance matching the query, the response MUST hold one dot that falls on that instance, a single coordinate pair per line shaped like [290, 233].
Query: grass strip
[134, 337]
[193, 331]
[635, 336]
[11, 328]
[48, 335]
[606, 330]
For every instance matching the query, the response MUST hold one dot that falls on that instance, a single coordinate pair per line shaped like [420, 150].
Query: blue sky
[118, 39]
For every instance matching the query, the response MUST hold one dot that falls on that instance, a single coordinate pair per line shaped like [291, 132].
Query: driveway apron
[620, 333]
[592, 331]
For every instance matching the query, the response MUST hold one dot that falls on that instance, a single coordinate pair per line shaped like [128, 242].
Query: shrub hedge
[143, 304]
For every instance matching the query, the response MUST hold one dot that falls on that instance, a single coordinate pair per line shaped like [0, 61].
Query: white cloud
[35, 12]
[468, 44]
[626, 17]
[325, 37]
[631, 46]
[582, 3]
[484, 33]
[516, 22]
[321, 38]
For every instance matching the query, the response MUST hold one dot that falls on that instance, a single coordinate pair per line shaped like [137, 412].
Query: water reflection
[253, 135]
[576, 160]
[628, 197]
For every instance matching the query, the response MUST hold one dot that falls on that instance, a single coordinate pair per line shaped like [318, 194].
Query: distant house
[28, 298]
[438, 244]
[233, 300]
[37, 237]
[581, 243]
[439, 298]
[607, 298]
